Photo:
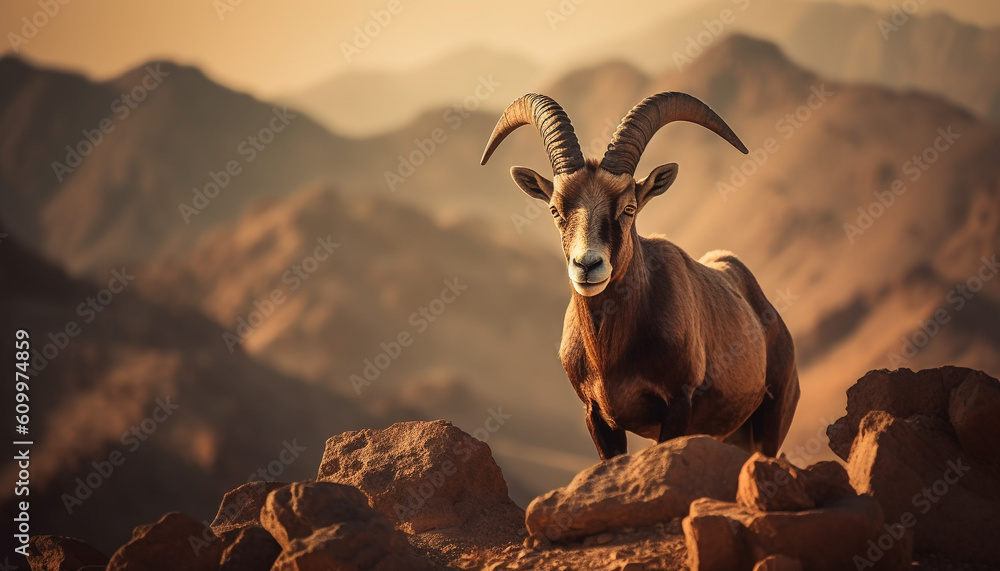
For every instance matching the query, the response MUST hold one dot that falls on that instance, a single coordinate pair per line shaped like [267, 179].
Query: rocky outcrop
[427, 477]
[785, 516]
[176, 541]
[924, 445]
[323, 525]
[252, 548]
[633, 490]
[240, 508]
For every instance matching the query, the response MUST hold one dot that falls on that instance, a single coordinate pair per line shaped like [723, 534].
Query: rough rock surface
[725, 536]
[57, 553]
[772, 484]
[974, 411]
[426, 476]
[241, 507]
[373, 545]
[908, 433]
[651, 486]
[252, 549]
[323, 525]
[901, 393]
[297, 510]
[176, 541]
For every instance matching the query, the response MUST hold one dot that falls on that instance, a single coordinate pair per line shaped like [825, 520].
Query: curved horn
[552, 124]
[646, 118]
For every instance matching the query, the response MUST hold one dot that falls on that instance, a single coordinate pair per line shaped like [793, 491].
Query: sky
[270, 48]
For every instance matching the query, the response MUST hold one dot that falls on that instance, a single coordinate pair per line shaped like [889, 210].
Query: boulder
[322, 525]
[772, 484]
[426, 476]
[827, 481]
[920, 477]
[974, 412]
[252, 549]
[845, 534]
[359, 546]
[651, 486]
[241, 507]
[176, 541]
[299, 509]
[902, 393]
[58, 553]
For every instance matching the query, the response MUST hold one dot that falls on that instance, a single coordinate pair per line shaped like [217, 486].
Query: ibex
[653, 341]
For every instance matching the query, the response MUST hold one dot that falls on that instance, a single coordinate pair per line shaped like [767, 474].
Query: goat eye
[629, 210]
[555, 212]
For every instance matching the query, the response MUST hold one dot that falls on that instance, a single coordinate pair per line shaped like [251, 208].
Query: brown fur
[671, 346]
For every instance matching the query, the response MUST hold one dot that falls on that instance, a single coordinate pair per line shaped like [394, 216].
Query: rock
[374, 545]
[57, 553]
[902, 393]
[974, 412]
[253, 549]
[651, 486]
[297, 510]
[241, 507]
[176, 541]
[826, 482]
[324, 525]
[426, 476]
[920, 477]
[778, 563]
[725, 536]
[771, 484]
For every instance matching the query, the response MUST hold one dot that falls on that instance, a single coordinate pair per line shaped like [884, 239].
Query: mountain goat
[653, 341]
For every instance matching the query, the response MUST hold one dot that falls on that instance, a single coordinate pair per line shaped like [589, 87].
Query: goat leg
[609, 441]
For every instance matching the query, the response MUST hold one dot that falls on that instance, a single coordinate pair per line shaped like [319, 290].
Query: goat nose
[587, 263]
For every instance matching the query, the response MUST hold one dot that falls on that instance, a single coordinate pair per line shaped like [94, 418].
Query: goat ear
[532, 183]
[656, 183]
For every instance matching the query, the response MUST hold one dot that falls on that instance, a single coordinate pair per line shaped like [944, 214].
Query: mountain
[366, 103]
[927, 50]
[137, 409]
[97, 173]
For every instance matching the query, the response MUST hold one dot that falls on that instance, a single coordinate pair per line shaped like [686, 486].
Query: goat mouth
[590, 288]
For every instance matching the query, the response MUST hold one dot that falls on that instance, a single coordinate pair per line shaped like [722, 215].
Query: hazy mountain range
[927, 50]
